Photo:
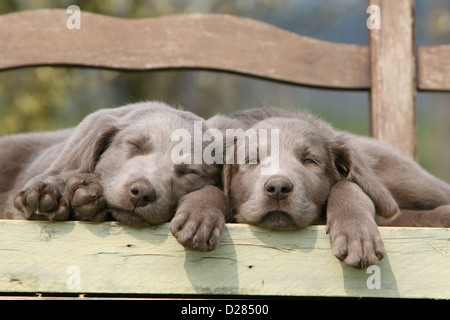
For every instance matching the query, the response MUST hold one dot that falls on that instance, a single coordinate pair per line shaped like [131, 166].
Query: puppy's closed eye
[139, 147]
[184, 169]
[309, 160]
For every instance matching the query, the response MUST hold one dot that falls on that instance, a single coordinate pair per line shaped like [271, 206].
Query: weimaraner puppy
[323, 175]
[116, 163]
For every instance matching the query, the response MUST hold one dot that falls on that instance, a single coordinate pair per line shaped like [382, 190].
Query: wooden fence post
[393, 75]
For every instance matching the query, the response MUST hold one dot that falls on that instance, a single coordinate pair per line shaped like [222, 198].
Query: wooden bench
[109, 258]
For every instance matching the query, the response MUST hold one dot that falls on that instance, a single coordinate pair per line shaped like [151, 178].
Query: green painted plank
[83, 257]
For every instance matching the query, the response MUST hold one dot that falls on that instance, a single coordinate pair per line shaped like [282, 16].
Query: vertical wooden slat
[393, 76]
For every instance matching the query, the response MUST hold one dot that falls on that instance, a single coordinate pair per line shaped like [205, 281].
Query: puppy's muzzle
[278, 187]
[142, 193]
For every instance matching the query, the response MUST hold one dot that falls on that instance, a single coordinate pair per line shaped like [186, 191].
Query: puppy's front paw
[197, 229]
[86, 197]
[358, 247]
[43, 198]
[387, 208]
[200, 219]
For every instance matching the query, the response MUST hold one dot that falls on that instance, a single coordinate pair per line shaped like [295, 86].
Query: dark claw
[379, 254]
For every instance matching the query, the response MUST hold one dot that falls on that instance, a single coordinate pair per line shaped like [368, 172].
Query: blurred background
[48, 98]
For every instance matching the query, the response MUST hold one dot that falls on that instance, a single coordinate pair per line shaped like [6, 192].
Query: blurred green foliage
[48, 98]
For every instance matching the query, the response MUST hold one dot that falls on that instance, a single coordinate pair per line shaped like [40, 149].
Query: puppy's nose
[278, 187]
[142, 194]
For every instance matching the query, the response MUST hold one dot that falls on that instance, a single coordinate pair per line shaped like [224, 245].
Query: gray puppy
[117, 161]
[329, 176]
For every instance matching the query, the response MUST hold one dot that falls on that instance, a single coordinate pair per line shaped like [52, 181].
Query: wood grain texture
[205, 41]
[393, 77]
[112, 258]
[434, 67]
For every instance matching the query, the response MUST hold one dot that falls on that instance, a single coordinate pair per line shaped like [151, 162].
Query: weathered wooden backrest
[390, 66]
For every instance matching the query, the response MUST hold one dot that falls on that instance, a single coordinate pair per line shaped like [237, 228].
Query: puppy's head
[287, 185]
[142, 180]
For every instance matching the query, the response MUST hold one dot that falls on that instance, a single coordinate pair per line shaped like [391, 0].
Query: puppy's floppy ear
[229, 168]
[227, 176]
[88, 150]
[86, 144]
[349, 165]
[341, 157]
[224, 123]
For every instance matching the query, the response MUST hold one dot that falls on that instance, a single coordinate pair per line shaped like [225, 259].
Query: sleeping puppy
[116, 162]
[327, 176]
